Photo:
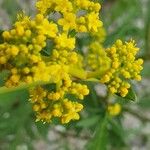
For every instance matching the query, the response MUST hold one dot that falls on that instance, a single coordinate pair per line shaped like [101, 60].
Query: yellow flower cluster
[24, 45]
[114, 66]
[55, 104]
[81, 15]
[57, 69]
[20, 52]
[63, 52]
[124, 66]
[114, 109]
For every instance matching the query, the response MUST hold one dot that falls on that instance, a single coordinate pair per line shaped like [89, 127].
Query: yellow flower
[62, 41]
[6, 35]
[84, 4]
[43, 5]
[48, 28]
[68, 21]
[114, 109]
[60, 6]
[93, 22]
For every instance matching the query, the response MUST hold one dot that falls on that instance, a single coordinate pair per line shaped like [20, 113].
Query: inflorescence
[59, 69]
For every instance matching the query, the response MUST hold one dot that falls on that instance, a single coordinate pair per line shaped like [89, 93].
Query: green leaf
[7, 99]
[99, 141]
[118, 130]
[131, 96]
[18, 111]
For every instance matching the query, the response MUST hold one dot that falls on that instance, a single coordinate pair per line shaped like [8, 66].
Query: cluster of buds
[55, 103]
[124, 66]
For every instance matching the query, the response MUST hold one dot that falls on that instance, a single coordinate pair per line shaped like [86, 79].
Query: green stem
[4, 90]
[92, 80]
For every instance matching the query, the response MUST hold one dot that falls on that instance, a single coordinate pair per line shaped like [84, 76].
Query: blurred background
[123, 19]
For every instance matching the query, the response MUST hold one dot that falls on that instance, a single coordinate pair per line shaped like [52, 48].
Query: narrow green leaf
[118, 130]
[7, 99]
[99, 141]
